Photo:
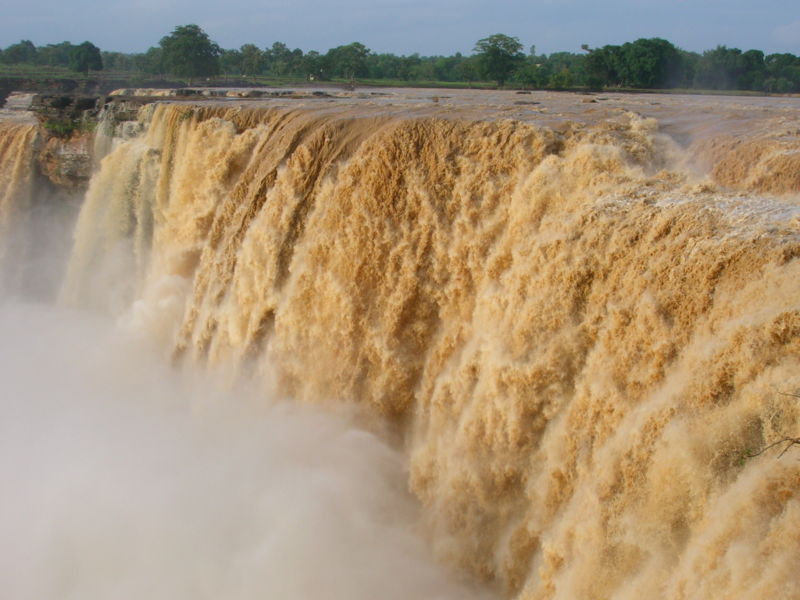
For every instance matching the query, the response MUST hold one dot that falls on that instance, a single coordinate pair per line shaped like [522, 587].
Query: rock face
[68, 122]
[10, 84]
[65, 147]
[68, 162]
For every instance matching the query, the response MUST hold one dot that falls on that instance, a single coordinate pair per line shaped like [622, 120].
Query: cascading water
[17, 141]
[34, 214]
[578, 343]
[125, 478]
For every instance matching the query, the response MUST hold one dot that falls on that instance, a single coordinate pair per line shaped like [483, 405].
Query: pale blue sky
[405, 26]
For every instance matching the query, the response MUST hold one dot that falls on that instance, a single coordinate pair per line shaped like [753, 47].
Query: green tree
[348, 61]
[84, 57]
[603, 66]
[408, 66]
[188, 52]
[783, 73]
[442, 67]
[468, 69]
[297, 60]
[21, 52]
[649, 63]
[688, 70]
[55, 54]
[118, 61]
[151, 62]
[230, 62]
[719, 68]
[278, 58]
[312, 65]
[499, 55]
[252, 59]
[568, 68]
[753, 70]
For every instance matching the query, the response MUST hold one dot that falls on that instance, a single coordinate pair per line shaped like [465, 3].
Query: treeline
[79, 58]
[643, 64]
[656, 63]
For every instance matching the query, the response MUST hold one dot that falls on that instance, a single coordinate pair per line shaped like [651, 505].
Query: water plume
[123, 478]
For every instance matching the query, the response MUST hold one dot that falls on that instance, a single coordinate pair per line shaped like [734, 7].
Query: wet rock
[67, 163]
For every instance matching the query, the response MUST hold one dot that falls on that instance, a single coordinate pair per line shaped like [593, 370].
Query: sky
[429, 27]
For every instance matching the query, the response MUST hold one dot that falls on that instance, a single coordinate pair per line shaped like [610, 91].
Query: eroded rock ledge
[67, 125]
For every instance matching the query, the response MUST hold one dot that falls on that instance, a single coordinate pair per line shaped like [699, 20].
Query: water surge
[578, 343]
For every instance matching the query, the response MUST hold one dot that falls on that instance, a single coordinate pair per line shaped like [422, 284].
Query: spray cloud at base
[123, 479]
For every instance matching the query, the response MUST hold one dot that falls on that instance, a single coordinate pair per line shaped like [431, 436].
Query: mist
[123, 478]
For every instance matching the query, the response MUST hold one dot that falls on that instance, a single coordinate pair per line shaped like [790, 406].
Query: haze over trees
[188, 53]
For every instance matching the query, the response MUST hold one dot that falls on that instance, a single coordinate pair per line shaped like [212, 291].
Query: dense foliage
[188, 52]
[499, 56]
[85, 57]
[644, 64]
